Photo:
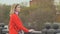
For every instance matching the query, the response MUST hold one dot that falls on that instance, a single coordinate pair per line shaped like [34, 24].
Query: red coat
[16, 25]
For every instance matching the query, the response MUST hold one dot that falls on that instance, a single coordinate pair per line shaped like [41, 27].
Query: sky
[56, 2]
[10, 2]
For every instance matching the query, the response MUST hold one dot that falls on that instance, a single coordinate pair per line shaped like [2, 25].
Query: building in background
[34, 2]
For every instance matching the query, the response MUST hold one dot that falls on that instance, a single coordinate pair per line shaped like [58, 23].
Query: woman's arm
[18, 22]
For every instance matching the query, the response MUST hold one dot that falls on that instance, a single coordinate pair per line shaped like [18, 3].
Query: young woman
[15, 24]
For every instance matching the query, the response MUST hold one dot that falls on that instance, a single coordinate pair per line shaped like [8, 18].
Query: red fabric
[16, 25]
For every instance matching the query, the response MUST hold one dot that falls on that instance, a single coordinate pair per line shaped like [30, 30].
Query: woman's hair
[13, 7]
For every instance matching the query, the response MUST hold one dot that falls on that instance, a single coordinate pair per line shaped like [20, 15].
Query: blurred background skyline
[9, 2]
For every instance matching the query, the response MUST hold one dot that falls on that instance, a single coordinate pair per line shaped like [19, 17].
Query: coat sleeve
[19, 24]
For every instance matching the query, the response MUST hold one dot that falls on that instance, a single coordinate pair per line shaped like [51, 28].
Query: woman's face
[18, 8]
